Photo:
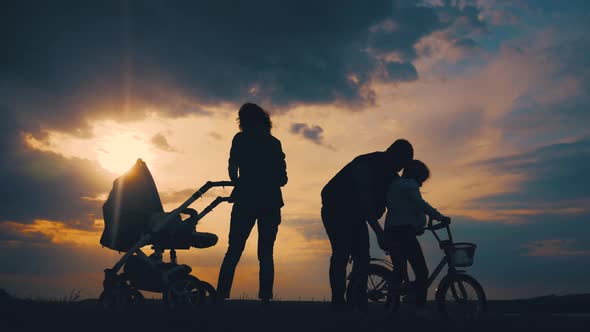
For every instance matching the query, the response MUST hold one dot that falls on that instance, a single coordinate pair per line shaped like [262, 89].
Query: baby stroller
[134, 217]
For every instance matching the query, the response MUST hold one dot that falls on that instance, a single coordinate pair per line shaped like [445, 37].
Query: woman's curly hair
[252, 116]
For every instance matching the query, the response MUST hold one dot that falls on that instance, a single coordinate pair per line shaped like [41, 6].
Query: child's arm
[416, 197]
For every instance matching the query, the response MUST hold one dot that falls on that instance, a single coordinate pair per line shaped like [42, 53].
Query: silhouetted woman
[258, 169]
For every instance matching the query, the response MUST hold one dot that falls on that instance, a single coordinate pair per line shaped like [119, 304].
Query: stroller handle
[209, 185]
[174, 214]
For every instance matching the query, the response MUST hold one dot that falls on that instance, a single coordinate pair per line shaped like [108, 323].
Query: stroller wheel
[211, 293]
[120, 298]
[136, 297]
[185, 293]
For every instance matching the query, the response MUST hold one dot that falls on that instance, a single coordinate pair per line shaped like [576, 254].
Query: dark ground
[541, 314]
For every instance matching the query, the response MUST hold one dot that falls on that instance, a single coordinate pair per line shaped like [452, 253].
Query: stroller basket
[461, 254]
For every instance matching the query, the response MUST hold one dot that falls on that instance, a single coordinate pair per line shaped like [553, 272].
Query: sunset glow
[493, 96]
[117, 153]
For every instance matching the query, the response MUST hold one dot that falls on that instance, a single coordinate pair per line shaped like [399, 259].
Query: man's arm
[364, 185]
[378, 232]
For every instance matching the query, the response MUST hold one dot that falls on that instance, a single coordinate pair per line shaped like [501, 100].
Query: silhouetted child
[406, 217]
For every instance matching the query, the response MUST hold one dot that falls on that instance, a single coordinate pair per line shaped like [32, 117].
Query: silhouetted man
[354, 196]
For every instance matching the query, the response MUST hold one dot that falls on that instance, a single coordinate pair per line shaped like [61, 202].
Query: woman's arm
[282, 167]
[233, 163]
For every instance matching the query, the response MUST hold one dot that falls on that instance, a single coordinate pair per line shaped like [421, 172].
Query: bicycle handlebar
[434, 227]
[441, 225]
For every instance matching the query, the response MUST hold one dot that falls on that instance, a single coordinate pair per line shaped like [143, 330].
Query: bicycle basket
[461, 254]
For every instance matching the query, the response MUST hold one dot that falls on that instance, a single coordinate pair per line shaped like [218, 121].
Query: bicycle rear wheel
[460, 297]
[378, 281]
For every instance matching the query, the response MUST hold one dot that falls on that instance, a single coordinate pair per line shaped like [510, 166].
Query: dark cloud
[557, 107]
[46, 185]
[11, 234]
[312, 133]
[159, 141]
[466, 44]
[463, 20]
[511, 247]
[554, 176]
[65, 62]
[399, 71]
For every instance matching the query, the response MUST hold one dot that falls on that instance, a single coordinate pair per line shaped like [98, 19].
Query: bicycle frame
[445, 261]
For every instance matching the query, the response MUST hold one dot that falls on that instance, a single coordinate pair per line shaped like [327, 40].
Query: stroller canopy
[127, 210]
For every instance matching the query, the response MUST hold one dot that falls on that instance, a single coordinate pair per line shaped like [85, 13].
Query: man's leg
[268, 226]
[340, 254]
[242, 221]
[361, 258]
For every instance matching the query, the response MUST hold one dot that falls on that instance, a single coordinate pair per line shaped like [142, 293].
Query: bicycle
[458, 296]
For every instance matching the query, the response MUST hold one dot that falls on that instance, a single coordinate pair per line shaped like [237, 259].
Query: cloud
[45, 185]
[399, 71]
[312, 133]
[552, 176]
[179, 196]
[68, 64]
[466, 44]
[311, 229]
[536, 252]
[159, 141]
[45, 232]
[216, 136]
[12, 232]
[558, 100]
[554, 247]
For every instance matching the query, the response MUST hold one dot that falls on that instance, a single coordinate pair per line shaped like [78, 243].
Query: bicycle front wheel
[460, 297]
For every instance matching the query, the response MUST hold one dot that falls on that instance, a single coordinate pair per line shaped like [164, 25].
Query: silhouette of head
[253, 117]
[416, 170]
[399, 154]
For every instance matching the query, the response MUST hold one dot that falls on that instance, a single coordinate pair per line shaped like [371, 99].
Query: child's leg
[395, 249]
[415, 256]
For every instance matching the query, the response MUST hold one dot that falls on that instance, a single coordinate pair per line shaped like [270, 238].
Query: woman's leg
[242, 221]
[268, 226]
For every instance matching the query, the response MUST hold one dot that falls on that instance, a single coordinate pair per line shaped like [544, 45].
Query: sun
[118, 152]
